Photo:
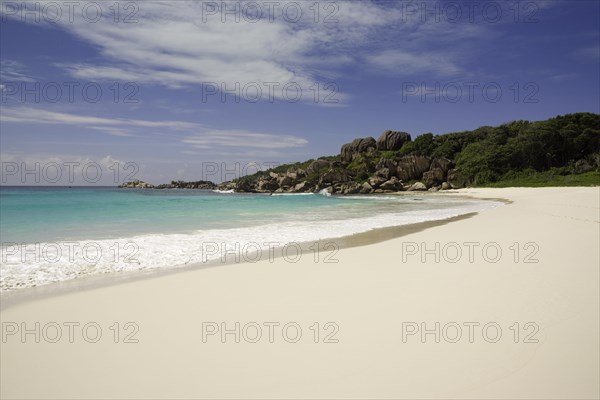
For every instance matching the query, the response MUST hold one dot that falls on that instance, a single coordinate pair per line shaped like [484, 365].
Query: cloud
[13, 71]
[233, 138]
[189, 133]
[178, 44]
[39, 116]
[113, 131]
[62, 169]
[400, 62]
[182, 44]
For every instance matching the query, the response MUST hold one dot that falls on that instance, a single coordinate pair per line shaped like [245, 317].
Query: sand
[366, 308]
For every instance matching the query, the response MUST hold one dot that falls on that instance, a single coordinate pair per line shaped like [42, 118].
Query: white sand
[368, 294]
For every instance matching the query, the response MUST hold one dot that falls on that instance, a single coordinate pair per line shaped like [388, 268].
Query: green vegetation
[541, 153]
[562, 151]
[548, 178]
[361, 167]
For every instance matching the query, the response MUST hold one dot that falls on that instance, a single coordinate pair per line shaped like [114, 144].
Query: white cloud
[189, 133]
[171, 45]
[177, 44]
[236, 138]
[63, 169]
[406, 63]
[113, 131]
[13, 71]
[39, 116]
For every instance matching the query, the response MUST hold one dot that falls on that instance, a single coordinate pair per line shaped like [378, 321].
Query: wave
[294, 194]
[42, 263]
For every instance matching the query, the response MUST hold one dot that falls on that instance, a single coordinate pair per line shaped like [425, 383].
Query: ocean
[51, 234]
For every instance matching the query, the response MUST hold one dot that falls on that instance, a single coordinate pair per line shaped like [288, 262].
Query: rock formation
[357, 146]
[361, 167]
[392, 140]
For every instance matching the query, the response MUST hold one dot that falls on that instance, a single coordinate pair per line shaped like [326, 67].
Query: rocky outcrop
[434, 176]
[334, 176]
[362, 168]
[357, 146]
[193, 185]
[243, 185]
[393, 184]
[392, 140]
[442, 163]
[302, 187]
[384, 173]
[413, 166]
[318, 166]
[267, 185]
[386, 163]
[136, 184]
[346, 188]
[419, 186]
[458, 179]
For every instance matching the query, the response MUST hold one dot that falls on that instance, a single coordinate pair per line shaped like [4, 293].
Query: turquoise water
[32, 214]
[171, 228]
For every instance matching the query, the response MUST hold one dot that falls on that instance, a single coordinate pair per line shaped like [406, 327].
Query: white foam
[43, 263]
[293, 194]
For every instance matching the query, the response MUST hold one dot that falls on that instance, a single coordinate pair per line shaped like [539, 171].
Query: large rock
[292, 175]
[302, 187]
[366, 144]
[417, 186]
[366, 188]
[334, 176]
[391, 184]
[267, 186]
[442, 163]
[415, 167]
[227, 186]
[402, 174]
[243, 186]
[357, 146]
[387, 163]
[285, 181]
[446, 186]
[435, 176]
[458, 179]
[318, 166]
[300, 173]
[376, 181]
[350, 188]
[384, 173]
[137, 184]
[391, 140]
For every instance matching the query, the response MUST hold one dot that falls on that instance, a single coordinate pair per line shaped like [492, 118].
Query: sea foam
[37, 264]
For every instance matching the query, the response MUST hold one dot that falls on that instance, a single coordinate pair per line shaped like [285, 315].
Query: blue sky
[414, 66]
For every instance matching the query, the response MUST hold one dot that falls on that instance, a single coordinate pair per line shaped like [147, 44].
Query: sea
[53, 234]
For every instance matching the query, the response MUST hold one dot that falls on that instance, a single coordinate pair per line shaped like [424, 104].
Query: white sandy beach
[370, 295]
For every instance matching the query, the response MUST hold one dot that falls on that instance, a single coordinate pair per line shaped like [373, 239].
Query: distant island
[561, 151]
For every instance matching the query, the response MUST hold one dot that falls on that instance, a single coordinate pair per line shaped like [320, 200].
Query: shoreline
[90, 282]
[547, 292]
